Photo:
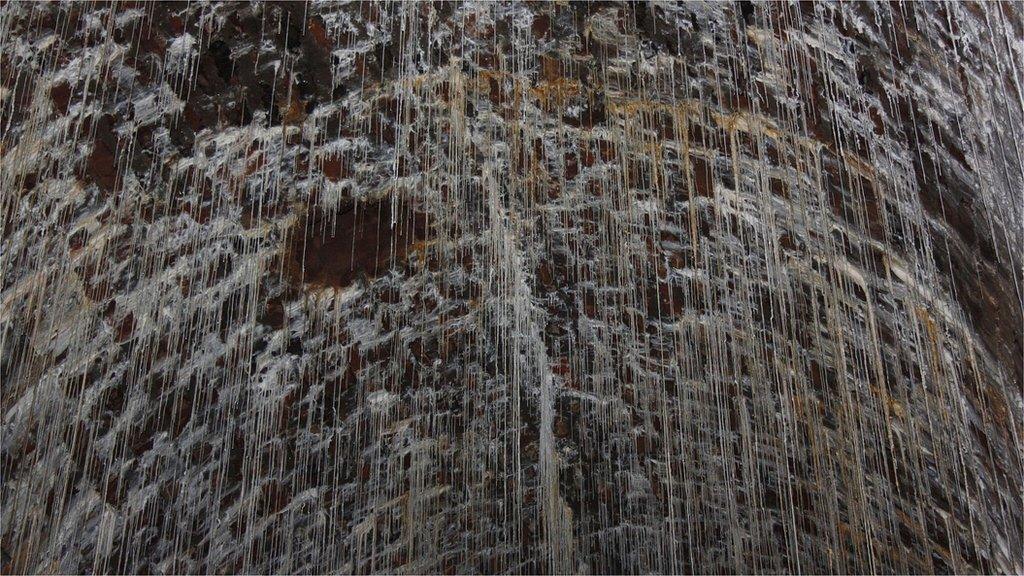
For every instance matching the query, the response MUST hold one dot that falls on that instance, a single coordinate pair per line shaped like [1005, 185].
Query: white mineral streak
[505, 287]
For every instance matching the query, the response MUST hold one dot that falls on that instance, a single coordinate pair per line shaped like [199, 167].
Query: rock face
[514, 287]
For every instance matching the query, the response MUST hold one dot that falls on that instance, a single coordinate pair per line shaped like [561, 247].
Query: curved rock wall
[514, 287]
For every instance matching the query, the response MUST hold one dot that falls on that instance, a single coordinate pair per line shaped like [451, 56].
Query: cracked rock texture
[511, 287]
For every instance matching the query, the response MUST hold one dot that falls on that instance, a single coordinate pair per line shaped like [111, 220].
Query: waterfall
[511, 287]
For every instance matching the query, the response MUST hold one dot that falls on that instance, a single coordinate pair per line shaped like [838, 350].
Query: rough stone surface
[511, 287]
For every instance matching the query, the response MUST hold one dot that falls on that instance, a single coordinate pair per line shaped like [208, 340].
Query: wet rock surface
[511, 287]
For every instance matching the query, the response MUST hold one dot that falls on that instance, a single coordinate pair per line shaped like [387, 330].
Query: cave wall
[511, 287]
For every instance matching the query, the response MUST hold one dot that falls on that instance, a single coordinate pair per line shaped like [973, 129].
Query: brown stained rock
[333, 167]
[61, 95]
[541, 25]
[361, 243]
[550, 69]
[494, 90]
[292, 112]
[101, 166]
[703, 178]
[274, 315]
[125, 328]
[319, 34]
[562, 428]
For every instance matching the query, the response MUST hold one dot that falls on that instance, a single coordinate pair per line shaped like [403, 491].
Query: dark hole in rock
[221, 54]
[747, 10]
[359, 242]
[61, 95]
